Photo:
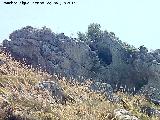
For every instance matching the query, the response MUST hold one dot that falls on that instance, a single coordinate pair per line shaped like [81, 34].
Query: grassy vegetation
[20, 99]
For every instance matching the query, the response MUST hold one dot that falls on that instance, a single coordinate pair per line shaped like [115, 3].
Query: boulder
[101, 87]
[2, 62]
[105, 89]
[122, 114]
[56, 92]
[150, 111]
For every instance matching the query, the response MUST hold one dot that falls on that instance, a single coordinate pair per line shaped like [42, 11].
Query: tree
[82, 36]
[94, 32]
[143, 49]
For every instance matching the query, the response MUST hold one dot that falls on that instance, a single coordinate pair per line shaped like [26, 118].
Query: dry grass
[19, 98]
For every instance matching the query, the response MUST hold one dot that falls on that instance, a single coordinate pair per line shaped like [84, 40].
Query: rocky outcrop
[58, 53]
[104, 59]
[152, 65]
[54, 53]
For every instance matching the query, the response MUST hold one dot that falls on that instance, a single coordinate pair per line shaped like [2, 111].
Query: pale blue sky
[134, 21]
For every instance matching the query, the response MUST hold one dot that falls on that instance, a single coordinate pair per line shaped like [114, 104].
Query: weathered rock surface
[55, 53]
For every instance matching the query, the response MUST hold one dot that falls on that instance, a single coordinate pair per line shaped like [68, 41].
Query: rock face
[105, 60]
[152, 88]
[58, 53]
[55, 53]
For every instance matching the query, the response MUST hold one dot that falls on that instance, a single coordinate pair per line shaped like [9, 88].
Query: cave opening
[105, 56]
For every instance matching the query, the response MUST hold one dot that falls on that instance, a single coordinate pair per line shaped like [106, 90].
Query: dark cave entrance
[105, 56]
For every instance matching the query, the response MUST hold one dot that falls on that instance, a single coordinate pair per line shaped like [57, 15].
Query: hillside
[97, 55]
[21, 98]
[47, 76]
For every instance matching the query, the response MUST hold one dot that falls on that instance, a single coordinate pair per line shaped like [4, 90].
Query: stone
[2, 62]
[56, 92]
[150, 111]
[122, 114]
[101, 87]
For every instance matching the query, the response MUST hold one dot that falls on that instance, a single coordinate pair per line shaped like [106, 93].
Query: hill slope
[20, 98]
[97, 55]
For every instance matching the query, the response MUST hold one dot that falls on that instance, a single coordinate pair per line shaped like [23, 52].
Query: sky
[136, 22]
